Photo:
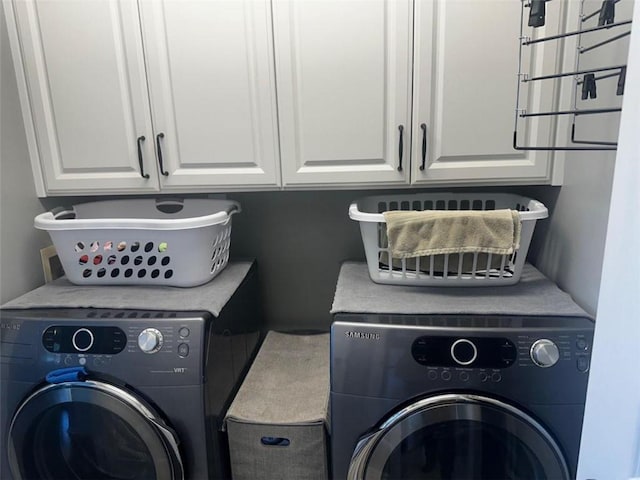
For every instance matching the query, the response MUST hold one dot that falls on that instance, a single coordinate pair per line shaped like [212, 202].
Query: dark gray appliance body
[403, 407]
[136, 415]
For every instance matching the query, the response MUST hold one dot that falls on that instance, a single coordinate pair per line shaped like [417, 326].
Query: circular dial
[82, 339]
[150, 340]
[464, 352]
[544, 353]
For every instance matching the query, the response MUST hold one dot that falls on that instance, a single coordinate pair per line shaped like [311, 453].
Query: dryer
[456, 395]
[145, 398]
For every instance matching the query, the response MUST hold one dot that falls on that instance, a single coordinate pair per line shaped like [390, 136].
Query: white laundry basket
[446, 270]
[177, 242]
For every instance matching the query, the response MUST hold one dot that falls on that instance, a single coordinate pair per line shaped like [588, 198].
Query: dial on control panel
[544, 353]
[463, 351]
[150, 340]
[82, 339]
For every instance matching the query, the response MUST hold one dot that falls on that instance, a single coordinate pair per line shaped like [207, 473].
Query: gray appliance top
[210, 297]
[535, 294]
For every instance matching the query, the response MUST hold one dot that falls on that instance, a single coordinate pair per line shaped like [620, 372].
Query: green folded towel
[434, 232]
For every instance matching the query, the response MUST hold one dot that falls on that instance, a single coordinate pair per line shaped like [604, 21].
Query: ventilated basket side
[129, 257]
[450, 269]
[160, 254]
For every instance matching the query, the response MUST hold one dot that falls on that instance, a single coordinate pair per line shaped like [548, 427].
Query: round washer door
[459, 436]
[90, 430]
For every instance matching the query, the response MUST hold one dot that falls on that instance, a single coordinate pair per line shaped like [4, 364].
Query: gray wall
[20, 266]
[572, 249]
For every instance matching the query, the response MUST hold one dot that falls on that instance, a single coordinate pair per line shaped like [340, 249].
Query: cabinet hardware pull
[400, 147]
[140, 140]
[424, 145]
[158, 137]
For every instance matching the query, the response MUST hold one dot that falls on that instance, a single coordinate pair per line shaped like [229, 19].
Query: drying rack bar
[549, 149]
[588, 142]
[578, 32]
[581, 72]
[592, 111]
[609, 40]
[601, 77]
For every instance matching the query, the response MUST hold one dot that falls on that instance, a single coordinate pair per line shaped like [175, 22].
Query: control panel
[472, 352]
[111, 340]
[92, 340]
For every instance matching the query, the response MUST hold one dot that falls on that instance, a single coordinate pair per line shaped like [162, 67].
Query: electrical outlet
[51, 266]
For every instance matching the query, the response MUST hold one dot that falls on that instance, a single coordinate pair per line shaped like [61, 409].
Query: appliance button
[496, 377]
[82, 339]
[68, 360]
[183, 349]
[464, 376]
[463, 351]
[582, 344]
[432, 375]
[184, 332]
[446, 376]
[484, 376]
[583, 364]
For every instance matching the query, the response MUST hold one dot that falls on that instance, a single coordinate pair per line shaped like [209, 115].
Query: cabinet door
[465, 87]
[343, 70]
[212, 89]
[84, 94]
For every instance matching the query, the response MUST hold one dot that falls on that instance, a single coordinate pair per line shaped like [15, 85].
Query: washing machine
[453, 395]
[97, 393]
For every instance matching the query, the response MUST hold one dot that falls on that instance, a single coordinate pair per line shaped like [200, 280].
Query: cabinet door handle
[140, 140]
[400, 148]
[158, 137]
[424, 145]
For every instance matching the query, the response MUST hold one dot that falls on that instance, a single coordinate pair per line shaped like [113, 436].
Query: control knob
[150, 340]
[82, 339]
[544, 353]
[464, 352]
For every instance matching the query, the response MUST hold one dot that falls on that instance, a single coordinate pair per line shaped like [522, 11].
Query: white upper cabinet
[464, 93]
[182, 92]
[84, 94]
[344, 83]
[137, 96]
[212, 90]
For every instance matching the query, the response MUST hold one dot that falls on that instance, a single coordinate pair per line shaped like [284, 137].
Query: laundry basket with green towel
[447, 239]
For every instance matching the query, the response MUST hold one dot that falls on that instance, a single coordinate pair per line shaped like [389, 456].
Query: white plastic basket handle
[175, 205]
[61, 218]
[537, 211]
[169, 205]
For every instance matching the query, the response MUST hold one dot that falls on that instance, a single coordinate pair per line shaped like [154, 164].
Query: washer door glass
[90, 430]
[459, 437]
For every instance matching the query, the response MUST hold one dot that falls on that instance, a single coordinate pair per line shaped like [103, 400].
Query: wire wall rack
[585, 79]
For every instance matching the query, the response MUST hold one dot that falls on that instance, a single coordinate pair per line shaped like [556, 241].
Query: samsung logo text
[363, 335]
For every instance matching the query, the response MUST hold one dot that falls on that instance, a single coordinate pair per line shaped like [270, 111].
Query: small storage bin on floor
[175, 242]
[277, 424]
[443, 270]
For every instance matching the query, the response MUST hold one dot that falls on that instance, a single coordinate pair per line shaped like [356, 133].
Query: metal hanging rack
[588, 82]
